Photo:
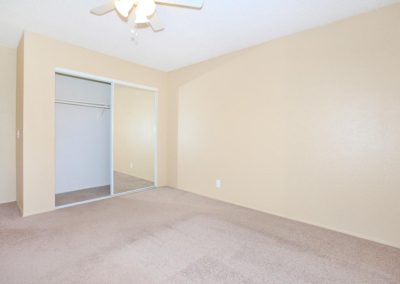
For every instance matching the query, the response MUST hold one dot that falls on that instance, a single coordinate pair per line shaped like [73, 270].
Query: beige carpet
[82, 195]
[122, 183]
[169, 236]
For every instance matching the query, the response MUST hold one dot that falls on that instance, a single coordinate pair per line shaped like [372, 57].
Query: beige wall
[8, 58]
[306, 127]
[41, 56]
[134, 111]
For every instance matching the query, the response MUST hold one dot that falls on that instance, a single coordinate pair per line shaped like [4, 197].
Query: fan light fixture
[141, 18]
[147, 7]
[144, 9]
[124, 7]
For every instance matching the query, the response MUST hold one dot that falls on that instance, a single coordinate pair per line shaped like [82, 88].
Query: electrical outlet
[131, 165]
[218, 183]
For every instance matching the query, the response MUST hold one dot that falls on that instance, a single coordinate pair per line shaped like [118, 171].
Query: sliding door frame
[113, 83]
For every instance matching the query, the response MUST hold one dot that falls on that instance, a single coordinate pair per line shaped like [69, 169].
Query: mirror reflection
[134, 138]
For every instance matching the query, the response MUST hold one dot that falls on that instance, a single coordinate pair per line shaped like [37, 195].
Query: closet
[105, 137]
[83, 143]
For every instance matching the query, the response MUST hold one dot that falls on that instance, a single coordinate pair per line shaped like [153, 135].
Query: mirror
[134, 138]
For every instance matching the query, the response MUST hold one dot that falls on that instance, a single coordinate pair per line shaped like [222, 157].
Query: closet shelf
[85, 104]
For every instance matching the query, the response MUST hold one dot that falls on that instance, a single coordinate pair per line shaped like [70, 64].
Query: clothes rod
[76, 103]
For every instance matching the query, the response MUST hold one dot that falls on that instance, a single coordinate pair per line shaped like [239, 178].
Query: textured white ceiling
[191, 36]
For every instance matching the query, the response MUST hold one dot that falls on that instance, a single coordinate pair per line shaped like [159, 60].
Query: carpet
[122, 183]
[171, 236]
[82, 195]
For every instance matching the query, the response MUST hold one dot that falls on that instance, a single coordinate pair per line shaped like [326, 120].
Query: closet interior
[105, 139]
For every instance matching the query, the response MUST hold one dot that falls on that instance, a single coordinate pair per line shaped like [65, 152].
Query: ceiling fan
[144, 10]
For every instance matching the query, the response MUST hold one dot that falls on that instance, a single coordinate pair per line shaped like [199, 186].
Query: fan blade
[103, 9]
[184, 3]
[155, 24]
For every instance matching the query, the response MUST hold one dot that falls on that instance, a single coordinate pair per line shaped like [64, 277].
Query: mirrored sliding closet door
[133, 138]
